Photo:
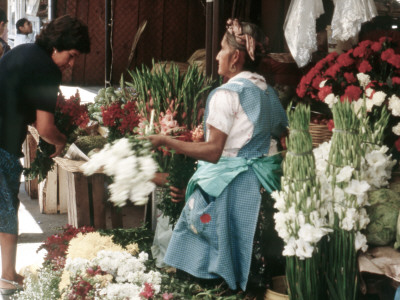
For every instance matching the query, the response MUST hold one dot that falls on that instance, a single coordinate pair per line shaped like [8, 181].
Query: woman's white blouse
[227, 115]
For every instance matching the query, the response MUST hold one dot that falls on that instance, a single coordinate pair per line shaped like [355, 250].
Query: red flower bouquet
[68, 116]
[369, 73]
[57, 244]
[120, 118]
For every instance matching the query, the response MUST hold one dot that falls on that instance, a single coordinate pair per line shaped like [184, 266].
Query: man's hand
[59, 149]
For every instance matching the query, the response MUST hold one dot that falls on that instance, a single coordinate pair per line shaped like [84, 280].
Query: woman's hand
[177, 195]
[160, 179]
[157, 140]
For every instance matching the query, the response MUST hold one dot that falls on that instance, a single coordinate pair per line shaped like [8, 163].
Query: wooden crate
[51, 200]
[29, 149]
[86, 198]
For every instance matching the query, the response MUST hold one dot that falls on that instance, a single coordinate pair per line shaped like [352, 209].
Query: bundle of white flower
[123, 275]
[108, 270]
[131, 167]
[346, 195]
[301, 217]
[300, 220]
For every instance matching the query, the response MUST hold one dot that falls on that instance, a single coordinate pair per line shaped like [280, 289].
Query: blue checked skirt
[10, 174]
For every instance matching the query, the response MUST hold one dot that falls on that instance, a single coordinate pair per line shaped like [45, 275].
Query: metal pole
[215, 38]
[108, 43]
[209, 29]
[52, 10]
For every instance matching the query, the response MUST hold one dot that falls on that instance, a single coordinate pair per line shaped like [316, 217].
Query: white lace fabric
[348, 17]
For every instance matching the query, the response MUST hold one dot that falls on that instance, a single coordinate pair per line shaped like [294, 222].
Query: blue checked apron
[214, 235]
[10, 173]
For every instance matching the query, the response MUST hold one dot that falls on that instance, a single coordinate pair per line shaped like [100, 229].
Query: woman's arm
[208, 151]
[49, 132]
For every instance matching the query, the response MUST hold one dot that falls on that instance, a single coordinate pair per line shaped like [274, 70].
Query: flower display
[57, 245]
[120, 118]
[367, 74]
[98, 268]
[345, 195]
[129, 163]
[301, 217]
[68, 116]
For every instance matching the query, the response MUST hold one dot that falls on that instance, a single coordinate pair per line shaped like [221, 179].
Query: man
[30, 76]
[4, 47]
[24, 32]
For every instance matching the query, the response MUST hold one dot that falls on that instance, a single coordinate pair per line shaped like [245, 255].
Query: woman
[30, 76]
[243, 122]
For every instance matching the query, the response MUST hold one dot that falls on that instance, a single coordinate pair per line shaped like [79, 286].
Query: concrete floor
[34, 228]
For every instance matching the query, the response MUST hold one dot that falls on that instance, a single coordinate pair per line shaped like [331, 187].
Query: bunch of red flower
[57, 244]
[70, 113]
[337, 74]
[120, 118]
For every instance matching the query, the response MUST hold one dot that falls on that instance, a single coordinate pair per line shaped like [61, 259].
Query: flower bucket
[278, 291]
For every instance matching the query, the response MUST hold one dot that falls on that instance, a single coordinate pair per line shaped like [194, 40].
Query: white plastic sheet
[162, 236]
[300, 29]
[348, 17]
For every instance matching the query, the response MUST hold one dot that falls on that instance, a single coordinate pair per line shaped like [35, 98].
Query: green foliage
[163, 90]
[90, 142]
[43, 163]
[180, 169]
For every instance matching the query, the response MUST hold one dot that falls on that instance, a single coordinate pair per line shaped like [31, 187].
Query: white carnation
[396, 129]
[331, 99]
[378, 98]
[394, 105]
[363, 79]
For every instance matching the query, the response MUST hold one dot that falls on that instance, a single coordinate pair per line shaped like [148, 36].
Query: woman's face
[65, 59]
[224, 59]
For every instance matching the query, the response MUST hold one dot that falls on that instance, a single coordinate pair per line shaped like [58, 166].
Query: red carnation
[376, 46]
[325, 91]
[387, 54]
[395, 80]
[350, 78]
[364, 67]
[332, 71]
[345, 59]
[395, 60]
[317, 80]
[351, 93]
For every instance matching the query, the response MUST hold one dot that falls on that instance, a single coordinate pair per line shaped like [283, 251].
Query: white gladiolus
[303, 249]
[344, 174]
[361, 242]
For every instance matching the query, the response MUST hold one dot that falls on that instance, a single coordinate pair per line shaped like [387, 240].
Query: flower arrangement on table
[110, 265]
[369, 73]
[171, 103]
[69, 115]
